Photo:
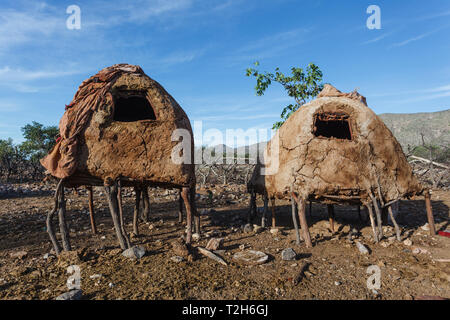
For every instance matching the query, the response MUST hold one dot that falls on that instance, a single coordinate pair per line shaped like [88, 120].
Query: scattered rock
[48, 256]
[418, 250]
[274, 231]
[362, 248]
[425, 227]
[257, 228]
[250, 257]
[337, 283]
[177, 259]
[68, 258]
[111, 285]
[18, 254]
[179, 248]
[288, 254]
[214, 244]
[136, 252]
[211, 255]
[407, 242]
[195, 236]
[242, 246]
[71, 295]
[248, 228]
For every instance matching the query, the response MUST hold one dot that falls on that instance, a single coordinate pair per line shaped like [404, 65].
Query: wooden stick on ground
[211, 255]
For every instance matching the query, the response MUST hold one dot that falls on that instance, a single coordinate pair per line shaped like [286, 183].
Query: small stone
[274, 231]
[288, 254]
[362, 248]
[48, 256]
[111, 285]
[407, 242]
[71, 295]
[242, 246]
[257, 229]
[337, 283]
[95, 276]
[18, 254]
[248, 228]
[177, 259]
[214, 244]
[250, 257]
[150, 227]
[136, 252]
[195, 236]
[425, 227]
[103, 237]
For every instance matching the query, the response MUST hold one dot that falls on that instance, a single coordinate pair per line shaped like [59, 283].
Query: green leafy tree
[301, 85]
[39, 140]
[7, 157]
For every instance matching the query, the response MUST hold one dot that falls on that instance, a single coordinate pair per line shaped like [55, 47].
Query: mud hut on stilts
[336, 150]
[117, 132]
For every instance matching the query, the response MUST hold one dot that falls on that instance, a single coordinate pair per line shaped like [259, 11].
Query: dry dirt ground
[335, 269]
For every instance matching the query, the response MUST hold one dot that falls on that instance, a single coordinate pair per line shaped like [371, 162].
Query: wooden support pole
[180, 207]
[195, 213]
[330, 208]
[111, 194]
[264, 215]
[397, 229]
[378, 213]
[187, 204]
[62, 220]
[91, 209]
[372, 221]
[274, 219]
[430, 212]
[146, 200]
[294, 220]
[136, 212]
[303, 222]
[50, 230]
[121, 218]
[252, 211]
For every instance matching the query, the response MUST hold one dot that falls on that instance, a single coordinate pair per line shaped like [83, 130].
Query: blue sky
[199, 50]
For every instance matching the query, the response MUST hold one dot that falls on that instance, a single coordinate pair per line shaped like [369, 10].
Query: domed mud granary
[117, 131]
[335, 149]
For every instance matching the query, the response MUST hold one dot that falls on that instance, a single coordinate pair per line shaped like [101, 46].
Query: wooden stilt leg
[372, 222]
[303, 222]
[50, 230]
[121, 219]
[252, 211]
[378, 213]
[331, 216]
[294, 220]
[310, 209]
[272, 206]
[111, 193]
[264, 215]
[195, 213]
[187, 204]
[62, 221]
[180, 208]
[397, 229]
[137, 191]
[430, 213]
[91, 209]
[146, 200]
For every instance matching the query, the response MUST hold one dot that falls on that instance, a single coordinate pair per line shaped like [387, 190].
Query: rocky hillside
[407, 127]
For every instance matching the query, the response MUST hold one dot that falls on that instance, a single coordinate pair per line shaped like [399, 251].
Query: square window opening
[332, 125]
[130, 108]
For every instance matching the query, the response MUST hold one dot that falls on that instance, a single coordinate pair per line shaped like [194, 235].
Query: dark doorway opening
[132, 108]
[332, 125]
